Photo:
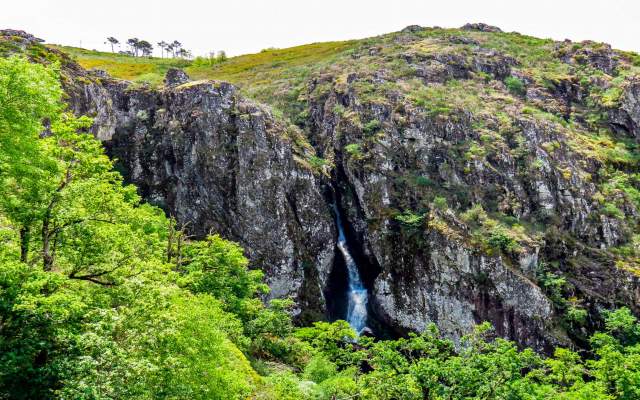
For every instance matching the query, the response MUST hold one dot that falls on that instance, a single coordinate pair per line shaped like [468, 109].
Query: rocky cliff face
[404, 170]
[402, 173]
[482, 176]
[219, 163]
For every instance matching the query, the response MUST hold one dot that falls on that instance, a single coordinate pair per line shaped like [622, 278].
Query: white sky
[246, 26]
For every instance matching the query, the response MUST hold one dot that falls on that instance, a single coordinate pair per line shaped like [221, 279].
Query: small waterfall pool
[357, 295]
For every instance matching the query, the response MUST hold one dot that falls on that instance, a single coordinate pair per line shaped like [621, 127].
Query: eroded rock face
[456, 288]
[221, 164]
[175, 77]
[598, 55]
[438, 274]
[627, 116]
[428, 277]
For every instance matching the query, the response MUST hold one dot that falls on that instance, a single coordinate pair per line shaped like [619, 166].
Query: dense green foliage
[427, 366]
[101, 297]
[91, 308]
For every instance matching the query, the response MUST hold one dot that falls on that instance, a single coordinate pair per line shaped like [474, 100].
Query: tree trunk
[170, 239]
[47, 232]
[47, 257]
[25, 237]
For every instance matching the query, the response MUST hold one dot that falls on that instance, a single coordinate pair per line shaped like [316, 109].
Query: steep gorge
[407, 135]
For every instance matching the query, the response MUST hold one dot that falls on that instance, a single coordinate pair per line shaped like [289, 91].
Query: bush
[410, 219]
[423, 181]
[440, 203]
[354, 150]
[515, 85]
[341, 386]
[611, 210]
[320, 369]
[286, 386]
[501, 240]
[371, 126]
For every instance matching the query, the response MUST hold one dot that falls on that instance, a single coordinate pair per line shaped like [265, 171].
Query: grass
[273, 76]
[271, 65]
[136, 69]
[264, 68]
[276, 76]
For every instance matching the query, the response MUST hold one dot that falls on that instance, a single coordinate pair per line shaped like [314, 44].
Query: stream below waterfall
[357, 295]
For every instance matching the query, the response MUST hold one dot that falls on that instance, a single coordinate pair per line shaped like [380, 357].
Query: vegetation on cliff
[101, 297]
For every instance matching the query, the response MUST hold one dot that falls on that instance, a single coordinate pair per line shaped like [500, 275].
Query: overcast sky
[246, 26]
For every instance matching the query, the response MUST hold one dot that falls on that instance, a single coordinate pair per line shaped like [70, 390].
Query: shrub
[440, 203]
[410, 219]
[371, 126]
[474, 215]
[501, 240]
[354, 150]
[317, 162]
[612, 210]
[577, 315]
[423, 181]
[319, 369]
[515, 85]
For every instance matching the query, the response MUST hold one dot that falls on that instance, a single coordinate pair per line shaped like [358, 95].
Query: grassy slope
[137, 69]
[266, 68]
[276, 76]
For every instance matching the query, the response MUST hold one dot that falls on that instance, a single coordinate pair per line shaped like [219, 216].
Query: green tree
[113, 41]
[97, 313]
[29, 95]
[219, 267]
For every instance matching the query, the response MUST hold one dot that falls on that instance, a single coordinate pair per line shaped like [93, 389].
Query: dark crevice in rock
[336, 289]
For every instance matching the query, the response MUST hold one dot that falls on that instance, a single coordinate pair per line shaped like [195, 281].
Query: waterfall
[357, 296]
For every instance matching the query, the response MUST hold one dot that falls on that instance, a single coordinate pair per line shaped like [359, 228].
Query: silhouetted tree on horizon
[133, 42]
[176, 46]
[145, 47]
[184, 53]
[113, 42]
[163, 46]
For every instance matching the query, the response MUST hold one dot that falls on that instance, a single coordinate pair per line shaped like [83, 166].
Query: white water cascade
[357, 296]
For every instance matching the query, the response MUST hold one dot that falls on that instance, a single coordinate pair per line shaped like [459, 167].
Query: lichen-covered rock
[627, 115]
[221, 164]
[397, 165]
[412, 29]
[175, 77]
[456, 287]
[27, 38]
[598, 55]
[480, 27]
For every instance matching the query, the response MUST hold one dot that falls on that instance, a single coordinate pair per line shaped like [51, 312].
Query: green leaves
[219, 268]
[515, 85]
[28, 94]
[427, 366]
[89, 305]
